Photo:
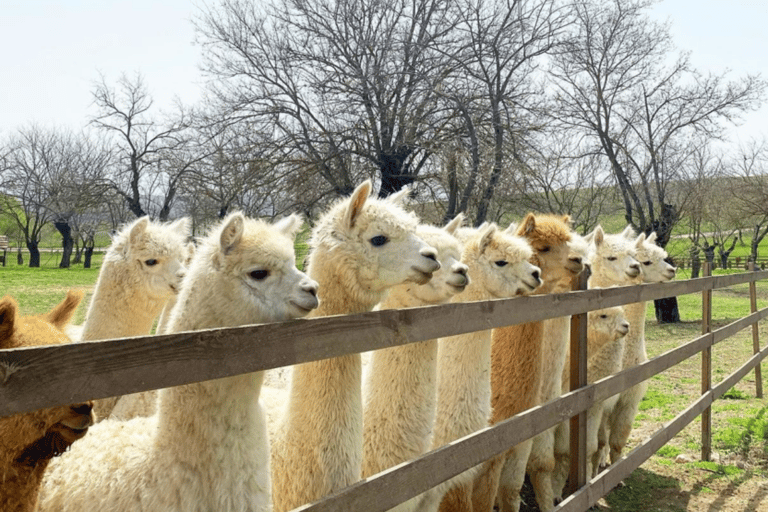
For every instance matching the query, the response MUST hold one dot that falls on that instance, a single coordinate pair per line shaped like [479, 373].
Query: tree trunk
[19, 257]
[395, 173]
[88, 253]
[67, 243]
[667, 311]
[34, 255]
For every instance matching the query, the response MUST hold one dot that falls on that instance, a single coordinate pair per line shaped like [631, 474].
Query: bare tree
[749, 191]
[151, 156]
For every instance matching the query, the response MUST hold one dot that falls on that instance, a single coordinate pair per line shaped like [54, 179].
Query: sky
[53, 51]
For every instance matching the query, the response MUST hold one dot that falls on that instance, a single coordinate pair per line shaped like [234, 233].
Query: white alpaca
[606, 331]
[620, 419]
[499, 267]
[206, 448]
[141, 271]
[399, 389]
[359, 249]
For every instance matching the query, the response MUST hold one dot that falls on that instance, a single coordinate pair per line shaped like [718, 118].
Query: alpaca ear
[181, 225]
[8, 312]
[628, 232]
[356, 203]
[567, 220]
[232, 232]
[511, 228]
[60, 315]
[527, 226]
[486, 235]
[138, 228]
[398, 197]
[597, 236]
[651, 238]
[639, 240]
[290, 225]
[455, 224]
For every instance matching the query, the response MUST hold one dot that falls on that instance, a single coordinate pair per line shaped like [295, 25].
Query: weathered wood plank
[706, 369]
[755, 334]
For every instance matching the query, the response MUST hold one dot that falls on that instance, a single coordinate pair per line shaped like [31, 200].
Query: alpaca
[499, 265]
[145, 403]
[606, 331]
[621, 417]
[207, 447]
[28, 441]
[399, 390]
[527, 362]
[142, 270]
[360, 248]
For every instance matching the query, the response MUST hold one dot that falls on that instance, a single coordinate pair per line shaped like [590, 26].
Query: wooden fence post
[577, 477]
[706, 367]
[755, 333]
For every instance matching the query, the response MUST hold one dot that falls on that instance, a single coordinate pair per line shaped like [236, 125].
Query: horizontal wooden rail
[395, 485]
[32, 378]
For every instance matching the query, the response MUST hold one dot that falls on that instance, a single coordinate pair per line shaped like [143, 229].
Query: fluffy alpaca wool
[359, 249]
[399, 390]
[524, 360]
[141, 271]
[206, 448]
[28, 441]
[499, 265]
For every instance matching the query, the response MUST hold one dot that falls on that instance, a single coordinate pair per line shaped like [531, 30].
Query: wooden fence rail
[32, 378]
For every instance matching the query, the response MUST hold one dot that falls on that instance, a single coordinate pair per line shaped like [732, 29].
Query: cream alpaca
[620, 419]
[499, 266]
[206, 448]
[605, 347]
[359, 249]
[527, 362]
[399, 388]
[28, 441]
[142, 269]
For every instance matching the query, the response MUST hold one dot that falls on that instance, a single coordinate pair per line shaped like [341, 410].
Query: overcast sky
[53, 51]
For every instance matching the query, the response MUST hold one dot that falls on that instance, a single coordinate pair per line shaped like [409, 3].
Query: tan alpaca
[606, 331]
[207, 448]
[28, 441]
[620, 419]
[499, 267]
[141, 270]
[399, 389]
[524, 360]
[359, 249]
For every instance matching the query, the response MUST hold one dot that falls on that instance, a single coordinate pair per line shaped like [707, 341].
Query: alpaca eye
[647, 263]
[259, 275]
[379, 240]
[500, 263]
[545, 249]
[603, 316]
[150, 262]
[612, 258]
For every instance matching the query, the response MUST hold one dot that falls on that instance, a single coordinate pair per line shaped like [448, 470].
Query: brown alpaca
[524, 358]
[28, 441]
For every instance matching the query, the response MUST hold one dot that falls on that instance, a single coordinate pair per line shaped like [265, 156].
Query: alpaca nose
[635, 266]
[84, 409]
[429, 252]
[461, 269]
[310, 288]
[536, 275]
[575, 259]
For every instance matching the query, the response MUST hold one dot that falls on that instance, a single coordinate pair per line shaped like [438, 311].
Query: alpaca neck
[20, 485]
[116, 312]
[634, 345]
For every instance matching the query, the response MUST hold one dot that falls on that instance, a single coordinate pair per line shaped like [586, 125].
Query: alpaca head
[452, 277]
[612, 257]
[652, 261]
[550, 237]
[606, 325]
[499, 263]
[244, 272]
[150, 257]
[29, 440]
[366, 245]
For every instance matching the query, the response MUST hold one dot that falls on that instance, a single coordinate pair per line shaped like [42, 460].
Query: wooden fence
[32, 378]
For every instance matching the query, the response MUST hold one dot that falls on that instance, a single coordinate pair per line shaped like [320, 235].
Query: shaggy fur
[606, 331]
[29, 441]
[500, 268]
[142, 269]
[526, 367]
[399, 390]
[206, 448]
[359, 249]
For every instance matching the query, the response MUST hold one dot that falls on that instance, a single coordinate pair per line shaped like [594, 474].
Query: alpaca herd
[244, 443]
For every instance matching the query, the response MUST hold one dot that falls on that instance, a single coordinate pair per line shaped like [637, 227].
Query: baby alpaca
[399, 385]
[28, 441]
[206, 448]
[360, 248]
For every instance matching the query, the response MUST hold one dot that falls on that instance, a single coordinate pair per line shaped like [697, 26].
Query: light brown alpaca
[523, 360]
[28, 441]
[359, 249]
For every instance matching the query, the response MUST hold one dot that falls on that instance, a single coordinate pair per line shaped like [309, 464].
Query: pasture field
[673, 480]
